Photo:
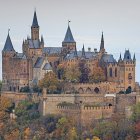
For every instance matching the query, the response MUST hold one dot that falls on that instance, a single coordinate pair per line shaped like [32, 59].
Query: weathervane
[8, 30]
[68, 22]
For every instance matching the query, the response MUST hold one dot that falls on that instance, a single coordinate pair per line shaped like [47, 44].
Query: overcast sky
[118, 19]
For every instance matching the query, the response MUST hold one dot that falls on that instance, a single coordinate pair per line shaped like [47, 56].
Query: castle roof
[47, 66]
[88, 55]
[52, 50]
[127, 56]
[69, 37]
[39, 62]
[20, 56]
[8, 47]
[108, 58]
[35, 22]
[34, 43]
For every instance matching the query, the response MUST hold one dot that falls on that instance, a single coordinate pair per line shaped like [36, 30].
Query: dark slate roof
[47, 66]
[39, 62]
[88, 55]
[8, 47]
[52, 50]
[108, 58]
[20, 56]
[35, 22]
[69, 37]
[127, 55]
[34, 43]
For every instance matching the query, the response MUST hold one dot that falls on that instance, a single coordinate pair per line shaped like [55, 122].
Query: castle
[90, 100]
[24, 69]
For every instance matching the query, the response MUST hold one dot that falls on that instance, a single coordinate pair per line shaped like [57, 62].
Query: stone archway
[80, 90]
[88, 90]
[96, 90]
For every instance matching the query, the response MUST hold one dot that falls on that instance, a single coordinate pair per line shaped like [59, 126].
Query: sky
[118, 19]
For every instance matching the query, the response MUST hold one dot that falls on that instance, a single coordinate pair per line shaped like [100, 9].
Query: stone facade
[86, 108]
[27, 68]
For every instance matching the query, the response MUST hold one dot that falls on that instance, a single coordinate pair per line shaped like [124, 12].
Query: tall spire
[83, 51]
[69, 37]
[35, 21]
[102, 42]
[42, 39]
[120, 56]
[8, 47]
[134, 57]
[75, 53]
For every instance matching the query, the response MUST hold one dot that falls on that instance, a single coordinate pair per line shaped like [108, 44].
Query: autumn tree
[50, 82]
[72, 73]
[5, 104]
[60, 71]
[97, 75]
[136, 113]
[84, 70]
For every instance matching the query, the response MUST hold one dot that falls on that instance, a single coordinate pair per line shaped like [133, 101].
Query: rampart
[86, 115]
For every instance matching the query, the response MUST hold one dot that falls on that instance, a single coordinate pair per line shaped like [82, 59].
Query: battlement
[70, 107]
[98, 108]
[91, 84]
[84, 108]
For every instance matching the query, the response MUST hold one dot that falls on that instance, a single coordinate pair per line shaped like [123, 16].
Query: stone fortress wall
[80, 111]
[85, 115]
[101, 88]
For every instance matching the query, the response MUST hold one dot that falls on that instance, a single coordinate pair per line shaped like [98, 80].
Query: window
[115, 72]
[110, 72]
[129, 76]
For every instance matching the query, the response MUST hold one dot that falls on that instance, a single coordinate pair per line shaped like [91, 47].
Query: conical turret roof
[8, 47]
[69, 37]
[35, 21]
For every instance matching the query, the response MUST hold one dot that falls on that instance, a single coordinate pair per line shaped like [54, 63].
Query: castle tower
[7, 53]
[69, 43]
[102, 49]
[35, 28]
[83, 52]
[127, 71]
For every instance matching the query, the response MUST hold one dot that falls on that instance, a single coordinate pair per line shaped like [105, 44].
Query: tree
[72, 73]
[136, 113]
[97, 75]
[84, 70]
[5, 104]
[50, 82]
[60, 71]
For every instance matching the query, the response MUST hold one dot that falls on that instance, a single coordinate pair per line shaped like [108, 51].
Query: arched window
[80, 90]
[88, 90]
[110, 72]
[129, 76]
[115, 72]
[96, 90]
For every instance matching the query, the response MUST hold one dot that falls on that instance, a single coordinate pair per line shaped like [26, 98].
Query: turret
[35, 28]
[120, 58]
[83, 52]
[69, 43]
[8, 47]
[42, 41]
[75, 53]
[127, 56]
[102, 49]
[134, 58]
